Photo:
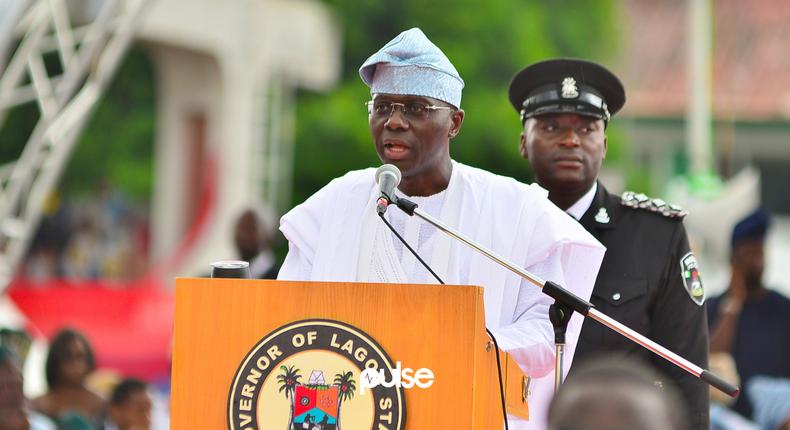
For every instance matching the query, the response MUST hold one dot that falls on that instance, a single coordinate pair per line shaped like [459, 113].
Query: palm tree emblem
[346, 386]
[288, 380]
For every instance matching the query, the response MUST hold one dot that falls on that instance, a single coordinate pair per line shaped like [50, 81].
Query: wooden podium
[235, 339]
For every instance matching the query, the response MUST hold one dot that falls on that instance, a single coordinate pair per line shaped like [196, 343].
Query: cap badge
[569, 90]
[602, 216]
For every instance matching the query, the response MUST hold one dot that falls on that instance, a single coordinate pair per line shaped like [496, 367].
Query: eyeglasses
[412, 111]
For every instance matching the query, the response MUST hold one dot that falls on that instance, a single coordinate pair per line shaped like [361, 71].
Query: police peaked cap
[566, 85]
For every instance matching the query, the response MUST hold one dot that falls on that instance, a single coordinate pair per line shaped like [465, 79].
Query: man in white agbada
[336, 235]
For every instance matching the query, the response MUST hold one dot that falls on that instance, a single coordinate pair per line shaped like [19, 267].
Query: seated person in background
[616, 395]
[749, 321]
[770, 400]
[69, 401]
[14, 411]
[253, 236]
[721, 416]
[130, 406]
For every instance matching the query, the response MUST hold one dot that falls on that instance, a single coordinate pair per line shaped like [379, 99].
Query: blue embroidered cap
[410, 64]
[752, 227]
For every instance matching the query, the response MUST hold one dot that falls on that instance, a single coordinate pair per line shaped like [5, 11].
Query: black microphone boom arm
[562, 295]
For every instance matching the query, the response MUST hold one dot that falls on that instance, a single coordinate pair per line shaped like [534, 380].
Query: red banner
[130, 326]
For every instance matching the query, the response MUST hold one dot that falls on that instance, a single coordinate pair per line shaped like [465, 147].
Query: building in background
[750, 113]
[226, 76]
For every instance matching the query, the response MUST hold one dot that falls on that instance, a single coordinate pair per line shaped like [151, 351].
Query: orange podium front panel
[253, 354]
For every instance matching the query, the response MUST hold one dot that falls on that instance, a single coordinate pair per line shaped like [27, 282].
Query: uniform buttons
[616, 296]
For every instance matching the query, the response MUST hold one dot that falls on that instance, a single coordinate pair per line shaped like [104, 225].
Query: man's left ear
[605, 145]
[457, 121]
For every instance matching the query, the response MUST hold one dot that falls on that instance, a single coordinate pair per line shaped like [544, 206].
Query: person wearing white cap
[414, 113]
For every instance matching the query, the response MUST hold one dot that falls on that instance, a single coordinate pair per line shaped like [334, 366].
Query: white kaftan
[336, 235]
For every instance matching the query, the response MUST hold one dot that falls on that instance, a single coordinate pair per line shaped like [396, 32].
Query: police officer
[649, 279]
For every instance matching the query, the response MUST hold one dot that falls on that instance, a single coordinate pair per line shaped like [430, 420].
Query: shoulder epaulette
[640, 201]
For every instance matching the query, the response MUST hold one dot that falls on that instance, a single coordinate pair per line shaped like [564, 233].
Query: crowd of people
[104, 237]
[71, 401]
[750, 328]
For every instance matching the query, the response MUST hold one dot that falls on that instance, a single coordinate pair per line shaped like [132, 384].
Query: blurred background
[134, 133]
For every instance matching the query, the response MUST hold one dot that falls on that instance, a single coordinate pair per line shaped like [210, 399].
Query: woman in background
[69, 401]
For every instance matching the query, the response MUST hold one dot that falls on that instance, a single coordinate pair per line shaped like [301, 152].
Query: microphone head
[388, 169]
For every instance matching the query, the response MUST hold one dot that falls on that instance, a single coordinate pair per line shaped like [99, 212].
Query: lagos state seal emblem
[306, 376]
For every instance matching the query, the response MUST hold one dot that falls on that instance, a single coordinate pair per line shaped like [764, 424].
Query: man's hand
[737, 289]
[722, 331]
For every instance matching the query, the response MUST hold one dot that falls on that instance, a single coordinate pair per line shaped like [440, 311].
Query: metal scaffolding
[90, 44]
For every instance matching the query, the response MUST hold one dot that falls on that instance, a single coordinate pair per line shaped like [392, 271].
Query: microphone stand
[559, 315]
[573, 302]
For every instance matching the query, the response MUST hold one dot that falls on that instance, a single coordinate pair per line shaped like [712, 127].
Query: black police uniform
[647, 283]
[648, 279]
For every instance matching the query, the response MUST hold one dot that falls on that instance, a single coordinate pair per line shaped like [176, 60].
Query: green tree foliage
[116, 146]
[488, 42]
[118, 143]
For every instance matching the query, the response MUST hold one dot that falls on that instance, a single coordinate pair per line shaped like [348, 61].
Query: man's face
[565, 150]
[12, 398]
[10, 385]
[135, 413]
[748, 258]
[247, 236]
[415, 145]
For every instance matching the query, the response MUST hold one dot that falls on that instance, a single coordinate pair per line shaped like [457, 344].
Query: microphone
[387, 177]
